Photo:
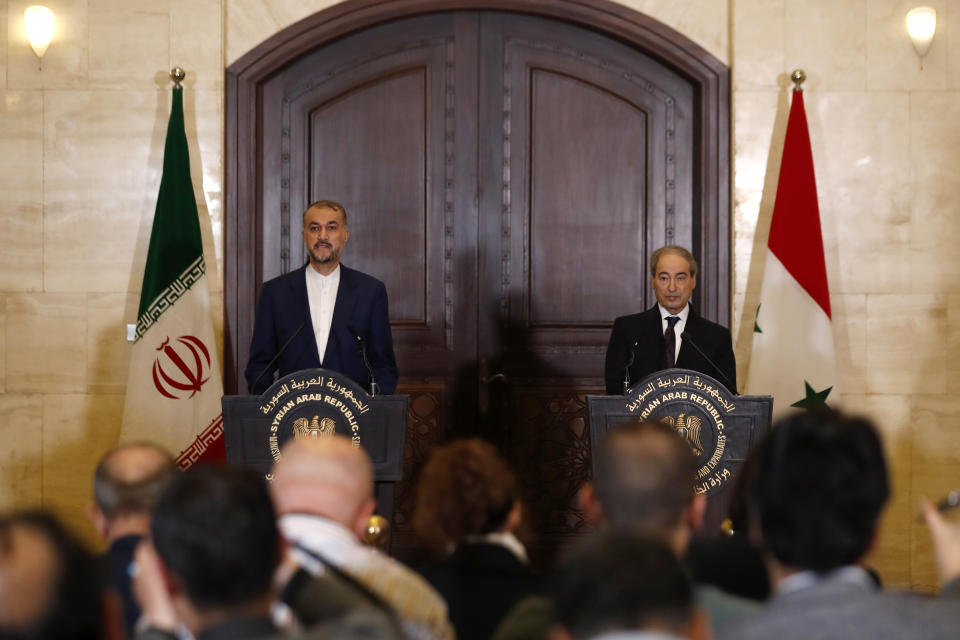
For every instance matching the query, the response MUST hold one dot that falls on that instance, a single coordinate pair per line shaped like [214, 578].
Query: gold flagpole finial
[798, 76]
[177, 74]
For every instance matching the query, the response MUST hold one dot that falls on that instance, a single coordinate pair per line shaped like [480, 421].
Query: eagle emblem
[314, 428]
[688, 427]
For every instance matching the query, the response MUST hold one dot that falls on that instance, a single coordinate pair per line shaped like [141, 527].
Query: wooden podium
[317, 403]
[720, 427]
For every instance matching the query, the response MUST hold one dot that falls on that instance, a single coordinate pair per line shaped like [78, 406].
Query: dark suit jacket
[480, 582]
[646, 330]
[284, 307]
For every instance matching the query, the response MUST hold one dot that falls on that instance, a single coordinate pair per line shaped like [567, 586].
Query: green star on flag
[814, 399]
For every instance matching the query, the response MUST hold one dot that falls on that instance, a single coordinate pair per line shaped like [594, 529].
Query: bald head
[130, 478]
[329, 477]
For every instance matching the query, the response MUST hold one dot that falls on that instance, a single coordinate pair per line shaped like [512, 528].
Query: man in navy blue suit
[323, 309]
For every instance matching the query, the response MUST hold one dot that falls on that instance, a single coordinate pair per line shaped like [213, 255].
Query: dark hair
[327, 204]
[646, 476]
[75, 607]
[465, 488]
[116, 493]
[819, 487]
[619, 582]
[676, 250]
[214, 527]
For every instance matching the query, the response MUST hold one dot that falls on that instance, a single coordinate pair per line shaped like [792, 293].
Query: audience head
[214, 530]
[645, 481]
[328, 477]
[50, 585]
[465, 489]
[620, 582]
[126, 484]
[819, 487]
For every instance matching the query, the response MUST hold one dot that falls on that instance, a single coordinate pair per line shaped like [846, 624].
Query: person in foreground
[323, 490]
[645, 485]
[622, 587]
[216, 549]
[671, 333]
[819, 489]
[50, 585]
[316, 316]
[126, 484]
[468, 510]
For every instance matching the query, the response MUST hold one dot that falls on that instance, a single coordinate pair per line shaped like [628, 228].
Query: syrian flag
[793, 352]
[174, 386]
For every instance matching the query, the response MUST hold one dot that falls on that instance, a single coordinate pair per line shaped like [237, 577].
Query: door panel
[591, 169]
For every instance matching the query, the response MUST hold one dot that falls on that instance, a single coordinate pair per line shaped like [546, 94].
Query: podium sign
[720, 428]
[317, 403]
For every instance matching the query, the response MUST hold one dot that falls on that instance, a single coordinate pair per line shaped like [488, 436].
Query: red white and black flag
[792, 357]
[174, 385]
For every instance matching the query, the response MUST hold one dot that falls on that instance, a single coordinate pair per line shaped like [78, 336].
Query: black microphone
[626, 370]
[686, 338]
[361, 343]
[274, 359]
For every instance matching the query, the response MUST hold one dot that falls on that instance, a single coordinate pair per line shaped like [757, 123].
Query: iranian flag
[174, 385]
[793, 352]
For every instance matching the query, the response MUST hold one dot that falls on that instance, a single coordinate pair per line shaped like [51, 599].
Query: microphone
[276, 357]
[626, 370]
[686, 338]
[362, 345]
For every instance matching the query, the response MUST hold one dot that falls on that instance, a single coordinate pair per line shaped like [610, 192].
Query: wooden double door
[507, 177]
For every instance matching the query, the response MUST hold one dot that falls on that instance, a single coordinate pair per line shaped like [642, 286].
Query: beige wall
[80, 156]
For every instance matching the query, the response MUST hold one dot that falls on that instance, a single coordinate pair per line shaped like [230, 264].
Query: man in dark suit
[126, 484]
[323, 309]
[670, 334]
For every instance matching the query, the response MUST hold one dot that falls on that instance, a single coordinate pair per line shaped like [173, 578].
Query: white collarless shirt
[677, 328]
[322, 297]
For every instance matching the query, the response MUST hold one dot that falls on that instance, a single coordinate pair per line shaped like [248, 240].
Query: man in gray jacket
[819, 488]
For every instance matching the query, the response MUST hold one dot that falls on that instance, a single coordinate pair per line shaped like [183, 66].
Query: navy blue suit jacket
[284, 309]
[646, 330]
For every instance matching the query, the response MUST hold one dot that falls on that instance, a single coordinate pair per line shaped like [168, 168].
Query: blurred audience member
[946, 544]
[217, 547]
[622, 587]
[323, 489]
[467, 512]
[50, 585]
[819, 490]
[645, 485]
[126, 484]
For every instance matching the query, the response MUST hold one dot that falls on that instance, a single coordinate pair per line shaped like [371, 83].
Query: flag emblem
[174, 374]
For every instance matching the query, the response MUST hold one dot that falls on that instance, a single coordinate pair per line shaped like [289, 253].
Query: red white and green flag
[792, 357]
[174, 385]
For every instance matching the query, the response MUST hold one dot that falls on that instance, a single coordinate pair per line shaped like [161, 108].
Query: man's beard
[330, 257]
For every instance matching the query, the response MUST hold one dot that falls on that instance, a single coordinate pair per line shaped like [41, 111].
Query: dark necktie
[670, 341]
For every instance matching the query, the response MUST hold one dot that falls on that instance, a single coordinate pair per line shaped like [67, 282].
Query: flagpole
[177, 74]
[798, 76]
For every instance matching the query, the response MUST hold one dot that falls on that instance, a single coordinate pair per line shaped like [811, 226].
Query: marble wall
[81, 143]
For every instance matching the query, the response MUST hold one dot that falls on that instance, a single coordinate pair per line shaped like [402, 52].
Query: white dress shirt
[677, 328]
[322, 296]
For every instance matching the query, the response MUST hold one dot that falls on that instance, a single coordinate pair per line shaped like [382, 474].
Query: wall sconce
[39, 23]
[921, 25]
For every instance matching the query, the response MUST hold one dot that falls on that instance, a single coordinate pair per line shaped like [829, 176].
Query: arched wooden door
[507, 177]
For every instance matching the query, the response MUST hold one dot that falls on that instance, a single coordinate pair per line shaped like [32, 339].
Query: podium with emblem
[317, 403]
[720, 427]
